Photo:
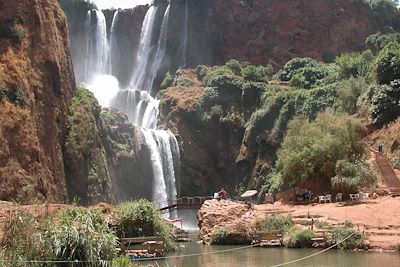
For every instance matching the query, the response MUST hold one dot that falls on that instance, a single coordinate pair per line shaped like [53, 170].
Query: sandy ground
[378, 218]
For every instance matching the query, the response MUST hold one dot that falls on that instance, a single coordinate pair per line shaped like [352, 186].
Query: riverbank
[378, 219]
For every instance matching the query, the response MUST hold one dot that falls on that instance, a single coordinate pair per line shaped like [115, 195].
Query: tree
[310, 150]
[388, 64]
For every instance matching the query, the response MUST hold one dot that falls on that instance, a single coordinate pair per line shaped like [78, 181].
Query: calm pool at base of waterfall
[257, 257]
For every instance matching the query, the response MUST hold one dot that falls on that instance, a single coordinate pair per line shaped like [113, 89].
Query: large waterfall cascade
[135, 101]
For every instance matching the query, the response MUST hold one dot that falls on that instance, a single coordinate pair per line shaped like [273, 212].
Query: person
[380, 148]
[222, 193]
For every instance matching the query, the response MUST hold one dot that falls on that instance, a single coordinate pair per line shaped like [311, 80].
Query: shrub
[276, 222]
[348, 92]
[397, 247]
[377, 41]
[141, 218]
[255, 74]
[167, 82]
[11, 30]
[201, 72]
[296, 238]
[209, 98]
[356, 241]
[74, 234]
[351, 175]
[310, 150]
[123, 261]
[307, 77]
[234, 66]
[292, 66]
[220, 237]
[3, 93]
[385, 103]
[350, 64]
[17, 96]
[388, 64]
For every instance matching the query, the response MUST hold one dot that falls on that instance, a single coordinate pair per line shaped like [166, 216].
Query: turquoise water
[257, 257]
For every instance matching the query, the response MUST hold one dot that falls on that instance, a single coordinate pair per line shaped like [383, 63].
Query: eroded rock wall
[37, 81]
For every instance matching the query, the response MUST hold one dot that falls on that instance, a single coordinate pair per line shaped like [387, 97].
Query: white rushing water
[97, 46]
[114, 51]
[162, 149]
[144, 51]
[185, 35]
[160, 54]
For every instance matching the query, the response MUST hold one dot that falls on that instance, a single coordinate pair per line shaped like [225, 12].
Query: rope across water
[185, 256]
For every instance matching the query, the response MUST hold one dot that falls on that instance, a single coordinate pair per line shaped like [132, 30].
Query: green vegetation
[397, 247]
[304, 72]
[276, 222]
[298, 238]
[255, 74]
[17, 96]
[388, 64]
[167, 82]
[141, 218]
[74, 234]
[3, 93]
[78, 234]
[385, 103]
[376, 42]
[340, 233]
[76, 10]
[310, 150]
[351, 175]
[12, 30]
[123, 261]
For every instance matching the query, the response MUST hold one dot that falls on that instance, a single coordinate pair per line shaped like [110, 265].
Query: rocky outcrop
[233, 217]
[105, 156]
[36, 84]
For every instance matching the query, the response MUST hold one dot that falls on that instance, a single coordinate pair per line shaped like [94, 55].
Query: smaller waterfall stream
[97, 47]
[144, 51]
[185, 35]
[114, 53]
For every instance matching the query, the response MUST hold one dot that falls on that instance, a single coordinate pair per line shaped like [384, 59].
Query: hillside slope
[37, 81]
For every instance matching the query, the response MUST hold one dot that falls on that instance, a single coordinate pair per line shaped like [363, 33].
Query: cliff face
[37, 81]
[263, 31]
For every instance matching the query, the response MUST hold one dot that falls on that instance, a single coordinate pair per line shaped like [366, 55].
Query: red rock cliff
[37, 83]
[262, 31]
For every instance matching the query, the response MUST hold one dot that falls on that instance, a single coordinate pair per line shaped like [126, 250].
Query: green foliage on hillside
[388, 64]
[12, 30]
[167, 81]
[311, 150]
[76, 9]
[357, 239]
[377, 41]
[386, 103]
[298, 238]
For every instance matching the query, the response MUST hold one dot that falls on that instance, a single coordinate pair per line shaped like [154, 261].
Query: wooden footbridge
[182, 203]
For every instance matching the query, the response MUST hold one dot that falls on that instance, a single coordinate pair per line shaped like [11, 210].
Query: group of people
[221, 194]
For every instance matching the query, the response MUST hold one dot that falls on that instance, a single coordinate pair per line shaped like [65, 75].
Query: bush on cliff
[235, 66]
[255, 74]
[310, 150]
[167, 82]
[377, 41]
[388, 64]
[12, 30]
[385, 103]
[348, 92]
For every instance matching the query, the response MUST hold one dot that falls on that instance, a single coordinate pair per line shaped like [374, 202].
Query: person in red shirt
[222, 193]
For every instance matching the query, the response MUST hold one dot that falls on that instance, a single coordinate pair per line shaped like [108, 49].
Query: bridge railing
[182, 201]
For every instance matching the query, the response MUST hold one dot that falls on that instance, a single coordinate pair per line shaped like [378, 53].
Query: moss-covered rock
[87, 171]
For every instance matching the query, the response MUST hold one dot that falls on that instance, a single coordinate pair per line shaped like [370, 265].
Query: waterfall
[185, 35]
[144, 51]
[114, 52]
[161, 46]
[97, 47]
[160, 148]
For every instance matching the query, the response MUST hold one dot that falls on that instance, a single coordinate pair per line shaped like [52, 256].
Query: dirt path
[379, 218]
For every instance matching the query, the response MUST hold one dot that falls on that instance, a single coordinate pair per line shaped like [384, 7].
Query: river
[257, 257]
